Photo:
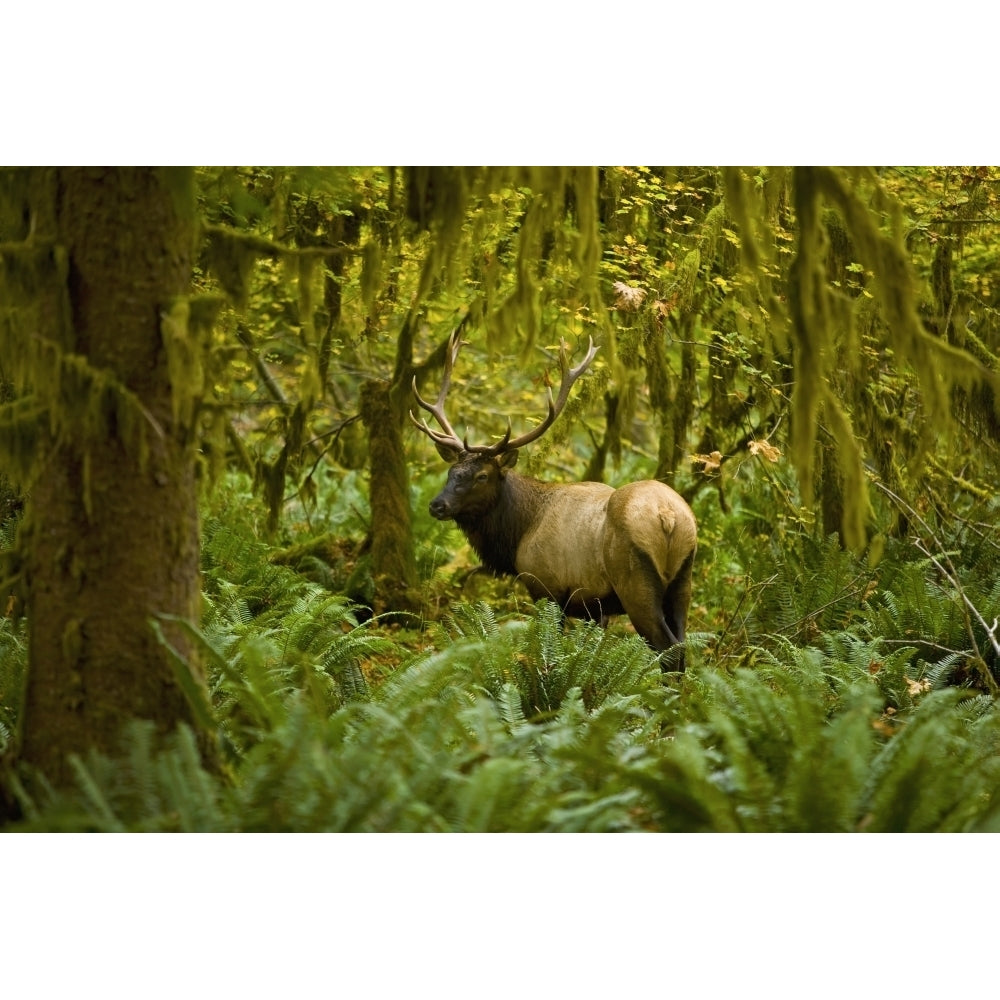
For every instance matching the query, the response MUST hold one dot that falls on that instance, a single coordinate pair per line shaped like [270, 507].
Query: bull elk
[595, 550]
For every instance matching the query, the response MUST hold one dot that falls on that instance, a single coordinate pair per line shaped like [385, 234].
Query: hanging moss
[271, 477]
[371, 272]
[23, 424]
[184, 361]
[517, 319]
[76, 403]
[682, 410]
[231, 256]
[857, 506]
[810, 326]
[737, 205]
[687, 277]
[436, 200]
[757, 246]
[33, 283]
[306, 268]
[937, 364]
[711, 230]
[588, 243]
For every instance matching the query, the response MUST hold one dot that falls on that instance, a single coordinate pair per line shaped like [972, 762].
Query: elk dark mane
[496, 535]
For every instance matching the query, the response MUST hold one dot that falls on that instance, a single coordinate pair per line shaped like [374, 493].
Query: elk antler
[450, 439]
[569, 376]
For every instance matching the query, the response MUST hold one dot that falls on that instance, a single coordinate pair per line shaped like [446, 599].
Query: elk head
[477, 471]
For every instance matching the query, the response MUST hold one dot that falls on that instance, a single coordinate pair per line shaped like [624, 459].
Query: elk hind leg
[644, 598]
[676, 600]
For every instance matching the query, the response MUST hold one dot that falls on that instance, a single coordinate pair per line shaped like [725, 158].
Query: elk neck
[496, 535]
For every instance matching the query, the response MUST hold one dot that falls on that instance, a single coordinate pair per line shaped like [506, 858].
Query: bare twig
[946, 568]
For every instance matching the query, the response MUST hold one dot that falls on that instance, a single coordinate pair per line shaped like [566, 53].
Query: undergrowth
[836, 695]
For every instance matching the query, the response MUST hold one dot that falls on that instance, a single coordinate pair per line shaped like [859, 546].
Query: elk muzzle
[440, 508]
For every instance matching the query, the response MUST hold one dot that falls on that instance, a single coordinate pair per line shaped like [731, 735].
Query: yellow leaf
[710, 464]
[765, 449]
[916, 687]
[627, 297]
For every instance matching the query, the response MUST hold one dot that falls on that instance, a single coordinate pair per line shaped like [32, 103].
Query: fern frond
[931, 775]
[97, 804]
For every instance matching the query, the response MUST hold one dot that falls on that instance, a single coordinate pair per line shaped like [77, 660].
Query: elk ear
[507, 460]
[448, 452]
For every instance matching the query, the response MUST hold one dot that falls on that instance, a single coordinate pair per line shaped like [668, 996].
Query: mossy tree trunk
[110, 539]
[394, 567]
[11, 500]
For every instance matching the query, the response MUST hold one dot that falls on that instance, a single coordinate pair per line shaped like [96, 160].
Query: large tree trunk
[111, 532]
[11, 500]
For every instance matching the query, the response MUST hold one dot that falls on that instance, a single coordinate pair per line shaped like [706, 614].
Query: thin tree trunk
[392, 552]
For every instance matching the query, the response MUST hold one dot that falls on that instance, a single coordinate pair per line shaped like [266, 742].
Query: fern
[889, 667]
[321, 633]
[684, 787]
[915, 611]
[477, 620]
[154, 784]
[546, 658]
[531, 722]
[804, 587]
[937, 773]
[917, 607]
[792, 745]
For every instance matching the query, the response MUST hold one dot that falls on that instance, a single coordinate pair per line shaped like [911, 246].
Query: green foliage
[844, 319]
[798, 744]
[802, 586]
[543, 659]
[808, 309]
[153, 786]
[519, 721]
[792, 756]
